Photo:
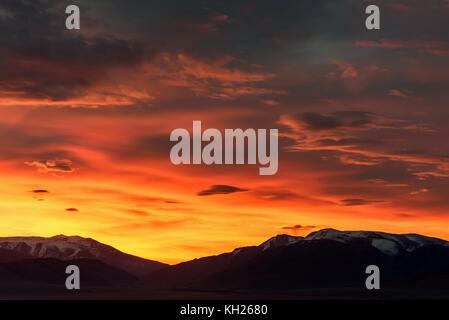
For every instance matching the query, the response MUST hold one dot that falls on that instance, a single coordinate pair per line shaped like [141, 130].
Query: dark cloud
[348, 141]
[299, 227]
[358, 202]
[355, 118]
[40, 59]
[72, 209]
[38, 194]
[39, 191]
[220, 189]
[338, 119]
[280, 195]
[43, 59]
[315, 121]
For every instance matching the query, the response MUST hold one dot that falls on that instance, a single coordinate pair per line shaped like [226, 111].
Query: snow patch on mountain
[386, 246]
[388, 243]
[65, 248]
[61, 247]
[279, 241]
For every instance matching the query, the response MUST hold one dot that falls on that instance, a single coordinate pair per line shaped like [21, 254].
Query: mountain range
[72, 248]
[324, 263]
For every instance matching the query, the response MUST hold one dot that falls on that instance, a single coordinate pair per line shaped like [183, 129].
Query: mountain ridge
[325, 260]
[35, 246]
[65, 248]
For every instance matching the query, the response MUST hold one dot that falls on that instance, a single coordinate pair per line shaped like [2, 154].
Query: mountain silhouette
[326, 262]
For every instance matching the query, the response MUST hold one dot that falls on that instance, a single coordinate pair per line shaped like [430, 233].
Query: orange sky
[144, 205]
[86, 120]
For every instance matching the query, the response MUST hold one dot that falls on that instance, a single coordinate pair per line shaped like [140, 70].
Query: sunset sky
[86, 118]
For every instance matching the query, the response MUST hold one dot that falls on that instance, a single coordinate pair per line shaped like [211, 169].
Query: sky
[86, 117]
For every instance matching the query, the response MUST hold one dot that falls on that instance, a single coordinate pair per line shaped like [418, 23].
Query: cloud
[285, 195]
[72, 210]
[358, 202]
[38, 194]
[270, 102]
[56, 166]
[43, 64]
[423, 190]
[360, 138]
[397, 93]
[220, 189]
[358, 160]
[40, 191]
[296, 229]
[315, 121]
[172, 202]
[299, 227]
[347, 70]
[437, 48]
[349, 119]
[220, 76]
[210, 24]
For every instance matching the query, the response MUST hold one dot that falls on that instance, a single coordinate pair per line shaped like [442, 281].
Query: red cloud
[438, 48]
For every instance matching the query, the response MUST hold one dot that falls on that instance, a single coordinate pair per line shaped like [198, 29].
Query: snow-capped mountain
[59, 247]
[280, 240]
[387, 243]
[325, 259]
[63, 247]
